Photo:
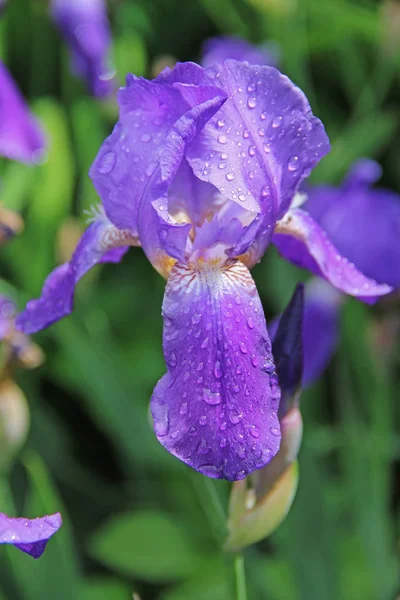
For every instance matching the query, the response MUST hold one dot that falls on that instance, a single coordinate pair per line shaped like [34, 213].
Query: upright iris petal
[21, 137]
[262, 142]
[29, 535]
[216, 407]
[85, 27]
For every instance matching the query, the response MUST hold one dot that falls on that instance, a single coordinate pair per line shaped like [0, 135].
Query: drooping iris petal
[261, 143]
[320, 327]
[287, 347]
[302, 241]
[29, 535]
[216, 407]
[101, 242]
[21, 137]
[363, 223]
[217, 49]
[85, 27]
[146, 148]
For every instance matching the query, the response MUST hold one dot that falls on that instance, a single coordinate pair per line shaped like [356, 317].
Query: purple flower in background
[85, 27]
[216, 50]
[21, 137]
[29, 535]
[364, 224]
[202, 171]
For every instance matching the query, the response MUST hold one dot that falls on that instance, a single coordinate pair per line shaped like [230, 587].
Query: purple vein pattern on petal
[363, 223]
[146, 147]
[101, 242]
[217, 49]
[320, 327]
[21, 137]
[302, 241]
[262, 142]
[29, 535]
[216, 407]
[85, 27]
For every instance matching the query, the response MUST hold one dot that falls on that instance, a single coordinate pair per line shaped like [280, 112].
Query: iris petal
[29, 535]
[363, 223]
[101, 242]
[138, 161]
[21, 137]
[262, 142]
[302, 241]
[216, 407]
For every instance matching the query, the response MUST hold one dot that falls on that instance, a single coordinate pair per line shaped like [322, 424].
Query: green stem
[240, 573]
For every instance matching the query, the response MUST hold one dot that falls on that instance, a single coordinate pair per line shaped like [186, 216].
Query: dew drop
[242, 347]
[230, 176]
[251, 102]
[151, 167]
[203, 420]
[222, 139]
[172, 359]
[196, 318]
[145, 138]
[106, 162]
[246, 133]
[220, 123]
[265, 192]
[252, 150]
[223, 426]
[262, 132]
[293, 163]
[217, 369]
[223, 442]
[263, 116]
[251, 87]
[235, 418]
[212, 398]
[254, 431]
[275, 431]
[277, 122]
[242, 198]
[204, 343]
[254, 360]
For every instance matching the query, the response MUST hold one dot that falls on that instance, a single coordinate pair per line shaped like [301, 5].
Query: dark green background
[134, 517]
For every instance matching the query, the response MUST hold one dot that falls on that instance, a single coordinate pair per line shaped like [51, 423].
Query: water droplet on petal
[293, 163]
[146, 137]
[217, 369]
[220, 123]
[251, 87]
[252, 150]
[172, 359]
[230, 176]
[251, 102]
[212, 398]
[242, 347]
[275, 431]
[196, 318]
[254, 431]
[184, 408]
[277, 122]
[203, 420]
[222, 139]
[106, 163]
[222, 166]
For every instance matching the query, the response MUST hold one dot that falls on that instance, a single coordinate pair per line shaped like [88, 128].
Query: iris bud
[14, 421]
[256, 511]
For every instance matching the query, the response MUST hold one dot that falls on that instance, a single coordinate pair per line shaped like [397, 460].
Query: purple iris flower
[202, 171]
[84, 25]
[216, 50]
[21, 137]
[29, 535]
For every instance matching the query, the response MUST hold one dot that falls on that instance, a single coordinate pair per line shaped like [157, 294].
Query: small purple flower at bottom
[202, 170]
[85, 27]
[21, 137]
[29, 535]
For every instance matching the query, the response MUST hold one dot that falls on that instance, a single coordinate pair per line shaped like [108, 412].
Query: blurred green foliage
[135, 519]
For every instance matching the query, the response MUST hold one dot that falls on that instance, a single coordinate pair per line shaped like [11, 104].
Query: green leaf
[56, 573]
[105, 588]
[148, 545]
